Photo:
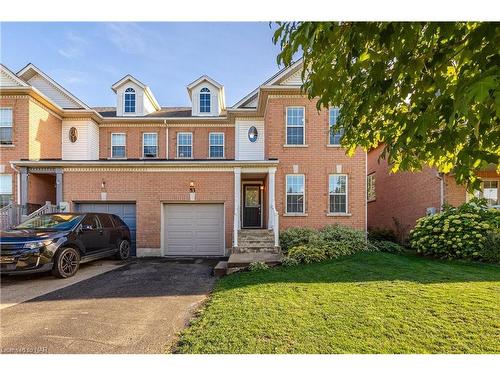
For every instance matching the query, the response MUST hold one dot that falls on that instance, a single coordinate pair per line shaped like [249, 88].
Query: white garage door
[194, 229]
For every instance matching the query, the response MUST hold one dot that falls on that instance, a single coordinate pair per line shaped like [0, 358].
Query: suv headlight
[37, 244]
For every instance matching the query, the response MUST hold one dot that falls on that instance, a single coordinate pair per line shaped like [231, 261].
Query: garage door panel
[194, 229]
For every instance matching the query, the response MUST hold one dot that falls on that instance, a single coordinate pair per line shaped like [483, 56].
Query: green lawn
[367, 303]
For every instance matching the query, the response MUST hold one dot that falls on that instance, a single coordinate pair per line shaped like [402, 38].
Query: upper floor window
[338, 194]
[295, 125]
[295, 193]
[118, 142]
[6, 126]
[216, 145]
[335, 133]
[489, 191]
[184, 145]
[5, 189]
[130, 100]
[205, 100]
[370, 187]
[150, 145]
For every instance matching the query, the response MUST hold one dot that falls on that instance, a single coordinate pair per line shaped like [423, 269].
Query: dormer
[207, 97]
[134, 98]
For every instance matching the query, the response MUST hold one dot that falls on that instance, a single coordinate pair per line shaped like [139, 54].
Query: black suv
[60, 242]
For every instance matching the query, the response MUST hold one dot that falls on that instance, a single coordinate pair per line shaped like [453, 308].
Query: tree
[428, 91]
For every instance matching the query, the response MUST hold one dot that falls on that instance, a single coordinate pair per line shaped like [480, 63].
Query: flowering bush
[258, 266]
[458, 232]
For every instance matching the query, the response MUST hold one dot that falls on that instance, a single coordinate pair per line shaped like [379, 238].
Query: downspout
[440, 176]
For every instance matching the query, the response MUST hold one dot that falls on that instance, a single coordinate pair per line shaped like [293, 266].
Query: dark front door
[252, 206]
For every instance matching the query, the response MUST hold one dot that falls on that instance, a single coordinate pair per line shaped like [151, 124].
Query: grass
[367, 303]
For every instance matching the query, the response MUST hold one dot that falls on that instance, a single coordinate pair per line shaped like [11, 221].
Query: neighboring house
[397, 200]
[186, 180]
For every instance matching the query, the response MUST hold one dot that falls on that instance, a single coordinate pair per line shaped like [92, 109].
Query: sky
[87, 58]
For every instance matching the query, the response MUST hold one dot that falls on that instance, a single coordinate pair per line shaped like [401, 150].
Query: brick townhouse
[186, 180]
[397, 200]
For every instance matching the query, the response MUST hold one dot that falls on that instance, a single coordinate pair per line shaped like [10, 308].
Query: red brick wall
[404, 196]
[41, 188]
[316, 162]
[134, 140]
[148, 190]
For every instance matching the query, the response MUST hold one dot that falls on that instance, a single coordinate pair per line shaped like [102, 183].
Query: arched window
[205, 100]
[129, 100]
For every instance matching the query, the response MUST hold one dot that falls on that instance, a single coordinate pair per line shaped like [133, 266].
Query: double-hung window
[295, 125]
[150, 145]
[185, 145]
[370, 187]
[335, 133]
[5, 189]
[6, 126]
[295, 194]
[489, 191]
[118, 144]
[205, 100]
[130, 100]
[338, 194]
[216, 145]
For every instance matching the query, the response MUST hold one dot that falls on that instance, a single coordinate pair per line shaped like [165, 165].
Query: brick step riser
[255, 243]
[241, 250]
[256, 239]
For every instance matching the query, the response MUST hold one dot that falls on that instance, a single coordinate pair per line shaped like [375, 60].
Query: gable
[8, 79]
[295, 79]
[52, 92]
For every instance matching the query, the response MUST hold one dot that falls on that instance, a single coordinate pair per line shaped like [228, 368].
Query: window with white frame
[335, 133]
[204, 100]
[295, 125]
[489, 191]
[338, 194]
[150, 145]
[370, 187]
[216, 145]
[295, 194]
[5, 189]
[6, 126]
[184, 145]
[129, 100]
[118, 145]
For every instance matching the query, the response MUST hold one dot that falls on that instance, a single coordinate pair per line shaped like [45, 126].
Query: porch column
[271, 198]
[237, 204]
[59, 185]
[23, 184]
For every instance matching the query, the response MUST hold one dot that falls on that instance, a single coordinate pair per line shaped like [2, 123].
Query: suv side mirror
[87, 227]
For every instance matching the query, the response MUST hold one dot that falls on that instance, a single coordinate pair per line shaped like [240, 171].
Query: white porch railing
[235, 228]
[276, 227]
[47, 208]
[10, 215]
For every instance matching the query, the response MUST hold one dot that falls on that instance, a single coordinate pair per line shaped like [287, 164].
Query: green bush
[258, 266]
[382, 234]
[292, 237]
[491, 249]
[387, 247]
[330, 242]
[458, 232]
[289, 262]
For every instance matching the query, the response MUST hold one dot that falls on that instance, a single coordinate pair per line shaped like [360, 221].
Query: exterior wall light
[192, 191]
[104, 194]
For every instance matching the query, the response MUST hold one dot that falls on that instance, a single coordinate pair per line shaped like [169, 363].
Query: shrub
[289, 262]
[307, 253]
[292, 237]
[491, 250]
[458, 232]
[387, 247]
[354, 240]
[382, 234]
[258, 266]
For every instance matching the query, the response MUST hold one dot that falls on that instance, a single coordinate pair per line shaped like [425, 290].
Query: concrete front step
[245, 259]
[220, 269]
[256, 249]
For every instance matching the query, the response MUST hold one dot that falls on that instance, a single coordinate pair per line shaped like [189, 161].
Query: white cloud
[74, 46]
[128, 37]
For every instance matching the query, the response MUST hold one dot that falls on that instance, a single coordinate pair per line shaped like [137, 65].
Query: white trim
[125, 93]
[12, 76]
[11, 126]
[303, 213]
[177, 146]
[242, 203]
[223, 145]
[368, 200]
[346, 193]
[209, 93]
[157, 148]
[111, 147]
[330, 127]
[304, 144]
[146, 89]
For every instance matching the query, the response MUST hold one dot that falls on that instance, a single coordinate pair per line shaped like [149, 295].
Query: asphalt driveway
[137, 308]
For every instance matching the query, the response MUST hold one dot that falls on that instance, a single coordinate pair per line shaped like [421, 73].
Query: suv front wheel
[67, 262]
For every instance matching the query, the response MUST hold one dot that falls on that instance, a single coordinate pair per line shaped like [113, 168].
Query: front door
[252, 207]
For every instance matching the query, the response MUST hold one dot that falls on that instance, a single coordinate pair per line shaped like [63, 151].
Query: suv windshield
[51, 222]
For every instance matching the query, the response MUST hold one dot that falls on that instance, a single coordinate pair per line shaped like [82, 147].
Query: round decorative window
[73, 134]
[252, 134]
